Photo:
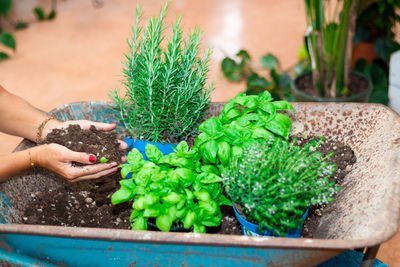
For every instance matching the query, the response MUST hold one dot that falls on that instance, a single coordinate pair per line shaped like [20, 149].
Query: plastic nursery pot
[141, 146]
[301, 96]
[251, 229]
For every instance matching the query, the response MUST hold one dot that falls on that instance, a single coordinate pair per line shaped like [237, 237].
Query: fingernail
[119, 169]
[92, 158]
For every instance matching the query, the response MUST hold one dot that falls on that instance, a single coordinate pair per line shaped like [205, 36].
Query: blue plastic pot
[250, 229]
[141, 146]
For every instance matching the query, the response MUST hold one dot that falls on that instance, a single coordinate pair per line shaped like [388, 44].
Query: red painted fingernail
[92, 158]
[119, 169]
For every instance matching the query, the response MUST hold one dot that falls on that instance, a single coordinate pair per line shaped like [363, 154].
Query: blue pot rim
[246, 224]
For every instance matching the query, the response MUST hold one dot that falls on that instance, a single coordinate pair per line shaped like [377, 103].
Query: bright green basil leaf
[210, 150]
[143, 176]
[201, 139]
[212, 221]
[211, 178]
[140, 224]
[128, 183]
[182, 147]
[199, 229]
[184, 174]
[180, 162]
[8, 40]
[259, 132]
[189, 194]
[240, 99]
[153, 153]
[180, 213]
[264, 97]
[232, 132]
[134, 156]
[228, 107]
[282, 105]
[122, 195]
[268, 107]
[130, 168]
[278, 128]
[151, 212]
[172, 198]
[158, 176]
[150, 199]
[211, 207]
[212, 127]
[134, 214]
[247, 119]
[164, 222]
[222, 200]
[181, 203]
[209, 169]
[139, 190]
[224, 153]
[202, 195]
[189, 219]
[138, 204]
[156, 187]
[269, 61]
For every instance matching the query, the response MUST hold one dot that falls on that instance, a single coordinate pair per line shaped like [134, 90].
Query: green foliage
[277, 83]
[327, 43]
[8, 40]
[276, 182]
[5, 6]
[39, 12]
[245, 119]
[175, 189]
[166, 92]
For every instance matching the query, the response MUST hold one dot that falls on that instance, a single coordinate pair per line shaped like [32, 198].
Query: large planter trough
[364, 214]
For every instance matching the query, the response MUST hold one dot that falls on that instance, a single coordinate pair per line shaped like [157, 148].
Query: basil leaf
[140, 224]
[211, 178]
[130, 168]
[122, 195]
[172, 198]
[210, 150]
[209, 169]
[138, 204]
[264, 97]
[201, 139]
[189, 219]
[259, 132]
[211, 127]
[282, 105]
[164, 222]
[268, 107]
[210, 207]
[212, 221]
[222, 200]
[199, 229]
[182, 147]
[185, 175]
[134, 156]
[153, 153]
[202, 195]
[127, 183]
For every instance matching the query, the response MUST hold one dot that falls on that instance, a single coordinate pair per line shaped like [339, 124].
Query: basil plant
[174, 189]
[245, 118]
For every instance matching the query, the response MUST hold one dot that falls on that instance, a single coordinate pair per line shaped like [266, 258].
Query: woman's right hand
[59, 159]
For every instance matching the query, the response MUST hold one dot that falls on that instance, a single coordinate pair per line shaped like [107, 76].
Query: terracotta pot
[365, 51]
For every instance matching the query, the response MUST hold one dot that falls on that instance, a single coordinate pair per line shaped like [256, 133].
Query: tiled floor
[77, 57]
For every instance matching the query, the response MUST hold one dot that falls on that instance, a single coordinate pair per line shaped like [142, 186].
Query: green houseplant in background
[274, 183]
[166, 93]
[6, 38]
[277, 82]
[331, 29]
[374, 42]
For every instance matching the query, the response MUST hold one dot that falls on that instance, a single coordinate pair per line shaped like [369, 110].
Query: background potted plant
[331, 29]
[166, 94]
[272, 186]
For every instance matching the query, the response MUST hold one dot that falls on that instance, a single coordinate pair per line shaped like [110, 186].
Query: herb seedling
[276, 182]
[166, 92]
[244, 119]
[175, 189]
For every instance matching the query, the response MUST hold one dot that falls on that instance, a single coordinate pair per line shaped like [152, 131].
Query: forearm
[14, 163]
[18, 117]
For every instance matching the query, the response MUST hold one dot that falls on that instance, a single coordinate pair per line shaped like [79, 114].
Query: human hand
[59, 159]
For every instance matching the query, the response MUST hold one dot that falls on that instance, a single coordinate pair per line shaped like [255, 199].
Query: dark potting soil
[88, 204]
[356, 86]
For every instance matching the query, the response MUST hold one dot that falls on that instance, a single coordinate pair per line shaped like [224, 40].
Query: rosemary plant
[166, 93]
[275, 184]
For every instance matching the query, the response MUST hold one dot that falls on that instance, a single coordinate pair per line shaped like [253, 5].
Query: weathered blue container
[364, 214]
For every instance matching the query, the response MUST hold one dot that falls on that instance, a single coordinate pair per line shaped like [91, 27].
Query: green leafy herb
[166, 91]
[275, 182]
[104, 160]
[172, 188]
